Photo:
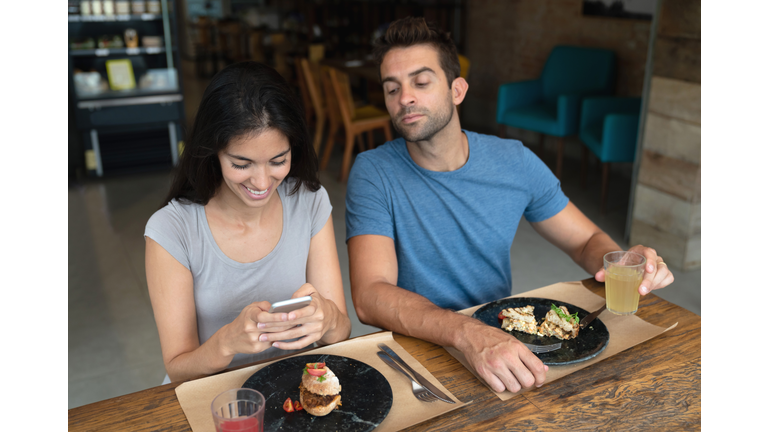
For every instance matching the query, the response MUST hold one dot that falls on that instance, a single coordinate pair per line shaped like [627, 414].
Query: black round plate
[590, 342]
[366, 396]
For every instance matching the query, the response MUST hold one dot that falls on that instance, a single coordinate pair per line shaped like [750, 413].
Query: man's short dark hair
[410, 31]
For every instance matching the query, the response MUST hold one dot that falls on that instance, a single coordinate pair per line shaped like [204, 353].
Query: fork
[538, 349]
[419, 391]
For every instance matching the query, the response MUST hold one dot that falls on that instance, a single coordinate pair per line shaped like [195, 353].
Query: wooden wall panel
[673, 138]
[692, 259]
[669, 246]
[680, 19]
[673, 176]
[678, 58]
[667, 203]
[675, 98]
[663, 211]
[695, 223]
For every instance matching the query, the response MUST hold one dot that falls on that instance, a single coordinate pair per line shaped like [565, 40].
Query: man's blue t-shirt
[452, 230]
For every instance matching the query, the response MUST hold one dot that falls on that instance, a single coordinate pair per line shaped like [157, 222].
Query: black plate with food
[366, 396]
[590, 342]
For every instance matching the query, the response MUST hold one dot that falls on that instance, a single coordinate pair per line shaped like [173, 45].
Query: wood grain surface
[653, 386]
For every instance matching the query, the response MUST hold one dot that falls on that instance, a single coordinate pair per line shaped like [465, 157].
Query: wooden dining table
[655, 385]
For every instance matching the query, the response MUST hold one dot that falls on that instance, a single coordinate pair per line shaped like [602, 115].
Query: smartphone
[286, 306]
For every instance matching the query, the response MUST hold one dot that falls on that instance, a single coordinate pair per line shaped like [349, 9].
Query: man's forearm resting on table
[390, 307]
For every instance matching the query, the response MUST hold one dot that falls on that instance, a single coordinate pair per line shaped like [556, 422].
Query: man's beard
[432, 126]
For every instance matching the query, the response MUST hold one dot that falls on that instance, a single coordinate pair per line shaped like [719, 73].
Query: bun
[329, 386]
[319, 410]
[320, 398]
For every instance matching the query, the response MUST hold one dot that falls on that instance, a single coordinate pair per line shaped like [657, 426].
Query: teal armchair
[608, 128]
[551, 104]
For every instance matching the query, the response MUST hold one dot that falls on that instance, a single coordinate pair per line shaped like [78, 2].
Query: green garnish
[321, 378]
[563, 315]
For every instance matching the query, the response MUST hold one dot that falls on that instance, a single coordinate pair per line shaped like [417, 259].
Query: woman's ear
[459, 90]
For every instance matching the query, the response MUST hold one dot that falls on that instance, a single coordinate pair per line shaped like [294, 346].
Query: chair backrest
[464, 66]
[310, 72]
[343, 91]
[316, 52]
[302, 82]
[331, 101]
[279, 42]
[578, 70]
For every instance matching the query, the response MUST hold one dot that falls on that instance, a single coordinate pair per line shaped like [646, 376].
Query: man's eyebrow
[243, 158]
[418, 71]
[412, 74]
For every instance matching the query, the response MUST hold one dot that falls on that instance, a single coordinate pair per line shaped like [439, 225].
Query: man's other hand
[501, 360]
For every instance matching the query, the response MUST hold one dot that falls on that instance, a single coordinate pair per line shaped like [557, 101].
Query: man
[431, 216]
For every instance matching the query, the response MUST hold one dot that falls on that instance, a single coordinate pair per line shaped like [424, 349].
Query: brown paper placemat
[196, 396]
[625, 331]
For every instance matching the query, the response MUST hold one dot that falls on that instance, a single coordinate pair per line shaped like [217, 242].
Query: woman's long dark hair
[243, 98]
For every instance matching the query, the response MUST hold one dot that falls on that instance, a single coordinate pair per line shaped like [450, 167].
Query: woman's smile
[256, 194]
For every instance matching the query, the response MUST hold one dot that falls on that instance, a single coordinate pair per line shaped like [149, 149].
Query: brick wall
[510, 41]
[667, 200]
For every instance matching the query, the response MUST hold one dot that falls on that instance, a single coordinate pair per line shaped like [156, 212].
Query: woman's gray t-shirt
[223, 286]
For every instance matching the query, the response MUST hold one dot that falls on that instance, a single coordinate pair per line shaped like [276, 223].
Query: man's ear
[459, 90]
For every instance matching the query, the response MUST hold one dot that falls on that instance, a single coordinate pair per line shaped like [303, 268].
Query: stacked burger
[319, 389]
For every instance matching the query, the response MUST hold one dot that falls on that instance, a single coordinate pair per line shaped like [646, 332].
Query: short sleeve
[320, 208]
[367, 210]
[167, 228]
[547, 199]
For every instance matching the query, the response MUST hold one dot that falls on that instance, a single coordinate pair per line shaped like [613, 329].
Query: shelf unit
[136, 129]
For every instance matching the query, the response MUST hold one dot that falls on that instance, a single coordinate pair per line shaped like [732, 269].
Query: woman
[246, 224]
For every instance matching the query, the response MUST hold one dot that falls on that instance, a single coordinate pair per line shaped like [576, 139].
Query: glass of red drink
[238, 410]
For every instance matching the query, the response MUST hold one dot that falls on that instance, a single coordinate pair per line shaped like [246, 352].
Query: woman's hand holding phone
[310, 323]
[244, 334]
[256, 329]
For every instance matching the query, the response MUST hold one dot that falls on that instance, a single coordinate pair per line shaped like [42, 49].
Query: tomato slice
[317, 372]
[500, 317]
[315, 365]
[287, 405]
[297, 406]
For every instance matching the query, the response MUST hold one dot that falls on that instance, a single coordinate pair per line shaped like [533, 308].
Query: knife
[591, 317]
[423, 381]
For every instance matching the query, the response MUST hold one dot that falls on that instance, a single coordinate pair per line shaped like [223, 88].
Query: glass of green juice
[623, 274]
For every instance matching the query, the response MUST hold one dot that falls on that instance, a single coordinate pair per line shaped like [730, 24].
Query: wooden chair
[316, 52]
[309, 73]
[312, 104]
[280, 45]
[464, 64]
[355, 120]
[301, 80]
